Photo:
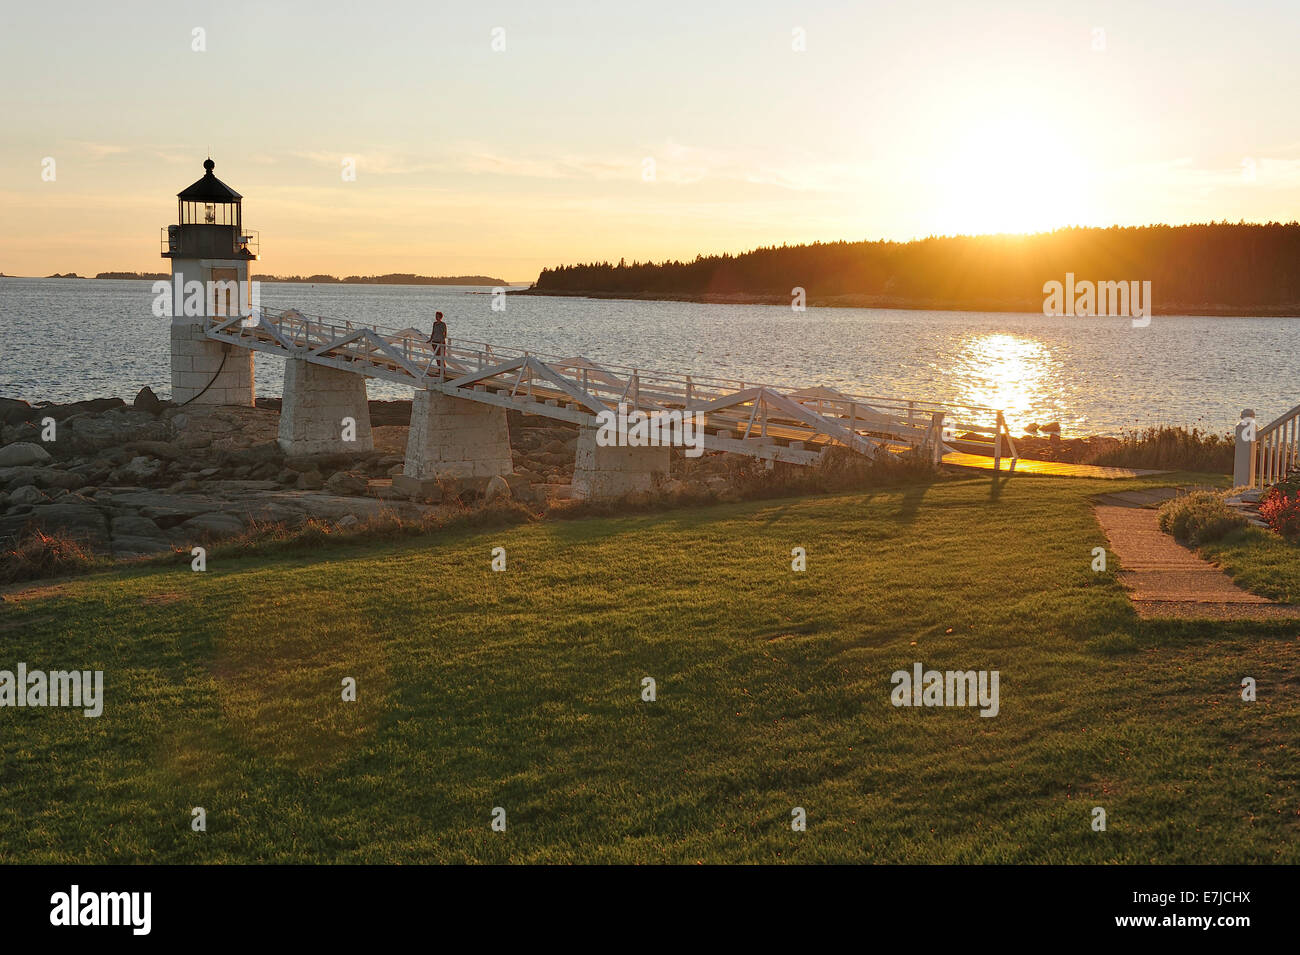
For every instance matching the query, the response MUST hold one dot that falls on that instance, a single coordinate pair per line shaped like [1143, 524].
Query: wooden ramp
[1047, 468]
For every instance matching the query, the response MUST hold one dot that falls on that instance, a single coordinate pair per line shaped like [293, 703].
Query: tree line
[390, 278]
[1216, 264]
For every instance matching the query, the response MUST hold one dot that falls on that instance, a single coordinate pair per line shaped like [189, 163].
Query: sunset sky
[898, 120]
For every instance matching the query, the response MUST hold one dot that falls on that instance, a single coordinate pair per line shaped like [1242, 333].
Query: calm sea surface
[66, 340]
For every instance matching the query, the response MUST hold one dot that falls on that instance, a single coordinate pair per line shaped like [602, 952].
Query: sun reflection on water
[1007, 372]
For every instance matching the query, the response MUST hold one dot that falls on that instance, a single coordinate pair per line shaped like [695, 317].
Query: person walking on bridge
[438, 339]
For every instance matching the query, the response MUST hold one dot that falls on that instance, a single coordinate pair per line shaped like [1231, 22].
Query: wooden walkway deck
[789, 423]
[1047, 468]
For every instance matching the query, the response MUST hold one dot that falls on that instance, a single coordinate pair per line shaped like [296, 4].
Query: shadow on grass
[910, 498]
[997, 484]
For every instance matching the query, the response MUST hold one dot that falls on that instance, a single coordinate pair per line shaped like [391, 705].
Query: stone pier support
[317, 399]
[604, 472]
[456, 437]
[195, 360]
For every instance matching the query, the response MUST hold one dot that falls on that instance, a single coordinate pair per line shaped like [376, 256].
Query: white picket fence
[1273, 454]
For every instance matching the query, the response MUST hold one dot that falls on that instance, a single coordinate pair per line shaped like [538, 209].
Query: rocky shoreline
[147, 477]
[135, 479]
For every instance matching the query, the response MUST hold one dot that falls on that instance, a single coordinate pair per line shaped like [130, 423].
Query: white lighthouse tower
[210, 253]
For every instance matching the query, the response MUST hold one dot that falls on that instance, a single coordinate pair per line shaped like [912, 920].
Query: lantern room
[209, 222]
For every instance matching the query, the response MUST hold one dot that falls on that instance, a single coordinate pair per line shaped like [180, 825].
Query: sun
[1013, 173]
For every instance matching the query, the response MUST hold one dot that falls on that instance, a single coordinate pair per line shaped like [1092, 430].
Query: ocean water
[65, 340]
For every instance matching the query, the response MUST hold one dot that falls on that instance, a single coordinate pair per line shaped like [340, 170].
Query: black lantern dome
[210, 221]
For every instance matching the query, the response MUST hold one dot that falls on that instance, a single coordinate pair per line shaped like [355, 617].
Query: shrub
[1282, 512]
[36, 554]
[1170, 449]
[1198, 518]
[1289, 485]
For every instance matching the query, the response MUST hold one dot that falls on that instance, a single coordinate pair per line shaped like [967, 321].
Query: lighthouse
[210, 252]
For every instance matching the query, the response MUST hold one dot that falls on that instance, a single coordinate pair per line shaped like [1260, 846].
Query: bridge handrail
[1277, 449]
[869, 417]
[697, 382]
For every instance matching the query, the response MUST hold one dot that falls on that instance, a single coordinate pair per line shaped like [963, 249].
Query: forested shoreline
[1214, 268]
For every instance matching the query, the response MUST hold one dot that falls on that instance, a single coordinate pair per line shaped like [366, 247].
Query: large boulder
[133, 525]
[194, 442]
[216, 523]
[87, 433]
[166, 510]
[417, 489]
[14, 478]
[42, 477]
[147, 401]
[21, 453]
[347, 482]
[133, 536]
[268, 452]
[91, 406]
[84, 522]
[126, 546]
[93, 472]
[13, 410]
[310, 480]
[157, 449]
[53, 477]
[139, 470]
[28, 495]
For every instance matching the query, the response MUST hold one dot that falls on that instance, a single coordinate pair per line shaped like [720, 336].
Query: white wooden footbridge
[766, 421]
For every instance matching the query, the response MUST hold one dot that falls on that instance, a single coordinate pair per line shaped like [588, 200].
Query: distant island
[1208, 269]
[391, 278]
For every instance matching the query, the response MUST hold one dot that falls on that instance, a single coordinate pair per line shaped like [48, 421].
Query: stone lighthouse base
[196, 360]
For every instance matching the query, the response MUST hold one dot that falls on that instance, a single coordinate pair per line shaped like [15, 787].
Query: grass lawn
[1260, 561]
[522, 689]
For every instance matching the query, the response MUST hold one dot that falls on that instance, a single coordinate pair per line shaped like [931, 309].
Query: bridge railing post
[997, 443]
[934, 437]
